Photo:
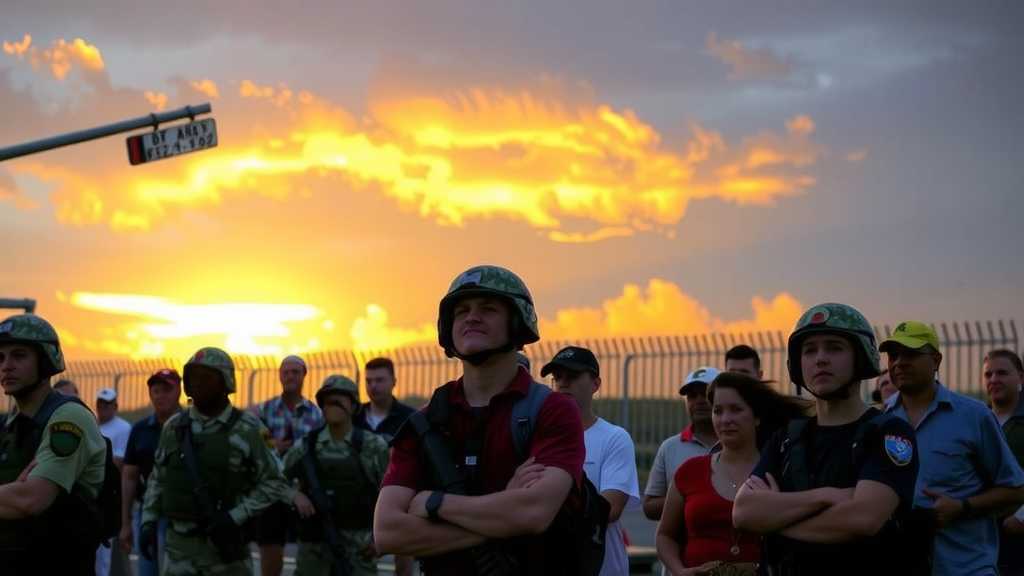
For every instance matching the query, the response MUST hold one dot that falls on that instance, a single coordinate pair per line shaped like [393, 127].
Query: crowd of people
[499, 474]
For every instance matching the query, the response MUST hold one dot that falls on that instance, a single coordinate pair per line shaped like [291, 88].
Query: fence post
[624, 406]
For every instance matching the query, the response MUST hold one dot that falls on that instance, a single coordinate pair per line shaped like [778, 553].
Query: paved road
[639, 528]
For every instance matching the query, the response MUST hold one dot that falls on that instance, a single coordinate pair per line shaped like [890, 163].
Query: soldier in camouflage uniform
[234, 460]
[51, 459]
[349, 464]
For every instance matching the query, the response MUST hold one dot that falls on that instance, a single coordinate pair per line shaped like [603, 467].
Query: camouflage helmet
[216, 359]
[489, 281]
[31, 329]
[336, 383]
[836, 319]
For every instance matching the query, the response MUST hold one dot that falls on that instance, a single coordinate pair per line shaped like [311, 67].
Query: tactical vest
[345, 483]
[902, 546]
[70, 517]
[213, 453]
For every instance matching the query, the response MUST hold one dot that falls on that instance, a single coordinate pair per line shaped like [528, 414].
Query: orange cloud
[372, 331]
[164, 327]
[800, 125]
[575, 172]
[18, 48]
[205, 86]
[664, 309]
[157, 99]
[60, 57]
[744, 62]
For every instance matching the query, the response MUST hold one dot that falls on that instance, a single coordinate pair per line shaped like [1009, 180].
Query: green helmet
[336, 383]
[836, 319]
[217, 359]
[31, 329]
[489, 281]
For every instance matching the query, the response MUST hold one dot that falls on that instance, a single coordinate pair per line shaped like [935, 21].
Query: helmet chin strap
[28, 390]
[841, 393]
[479, 358]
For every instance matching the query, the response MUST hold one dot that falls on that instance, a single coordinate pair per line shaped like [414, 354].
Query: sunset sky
[647, 167]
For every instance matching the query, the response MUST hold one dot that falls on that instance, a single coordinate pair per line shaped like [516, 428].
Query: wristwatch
[433, 505]
[965, 510]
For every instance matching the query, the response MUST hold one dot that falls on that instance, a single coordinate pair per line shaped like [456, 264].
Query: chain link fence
[640, 376]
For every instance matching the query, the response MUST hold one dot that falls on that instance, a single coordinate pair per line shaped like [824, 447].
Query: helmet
[336, 383]
[216, 359]
[836, 319]
[489, 281]
[31, 329]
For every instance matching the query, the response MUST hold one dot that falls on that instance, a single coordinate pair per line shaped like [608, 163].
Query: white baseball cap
[107, 395]
[704, 375]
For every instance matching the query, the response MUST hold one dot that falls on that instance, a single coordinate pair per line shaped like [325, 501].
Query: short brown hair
[1010, 355]
[381, 362]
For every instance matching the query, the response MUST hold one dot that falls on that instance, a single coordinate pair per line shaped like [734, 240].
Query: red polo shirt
[557, 439]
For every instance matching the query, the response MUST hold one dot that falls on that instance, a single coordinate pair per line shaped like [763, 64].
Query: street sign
[172, 141]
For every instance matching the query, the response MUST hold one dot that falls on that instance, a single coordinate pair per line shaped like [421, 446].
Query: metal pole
[624, 406]
[153, 120]
[26, 304]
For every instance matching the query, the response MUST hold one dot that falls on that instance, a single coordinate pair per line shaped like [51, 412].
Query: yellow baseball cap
[913, 335]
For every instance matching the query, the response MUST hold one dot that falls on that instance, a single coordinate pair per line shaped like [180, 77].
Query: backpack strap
[53, 401]
[429, 426]
[794, 455]
[867, 429]
[524, 417]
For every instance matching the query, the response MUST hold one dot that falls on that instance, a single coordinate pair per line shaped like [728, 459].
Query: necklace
[735, 548]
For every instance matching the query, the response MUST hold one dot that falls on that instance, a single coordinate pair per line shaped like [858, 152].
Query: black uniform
[875, 447]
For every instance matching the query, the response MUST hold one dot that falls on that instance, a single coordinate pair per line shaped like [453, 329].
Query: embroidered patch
[65, 437]
[899, 449]
[820, 316]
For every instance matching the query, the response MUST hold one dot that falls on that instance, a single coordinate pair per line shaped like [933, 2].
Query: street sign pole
[153, 120]
[26, 304]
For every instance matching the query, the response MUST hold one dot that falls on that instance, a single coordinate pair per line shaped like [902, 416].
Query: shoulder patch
[65, 438]
[899, 449]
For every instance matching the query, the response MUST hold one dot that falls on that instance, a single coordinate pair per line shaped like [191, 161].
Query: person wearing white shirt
[611, 460]
[116, 429]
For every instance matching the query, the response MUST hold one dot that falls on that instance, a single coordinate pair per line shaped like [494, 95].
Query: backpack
[106, 510]
[585, 525]
[589, 526]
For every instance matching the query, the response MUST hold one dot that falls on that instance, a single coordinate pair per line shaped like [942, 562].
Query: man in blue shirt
[164, 394]
[968, 474]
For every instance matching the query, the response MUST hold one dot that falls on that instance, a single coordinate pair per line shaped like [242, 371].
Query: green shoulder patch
[65, 437]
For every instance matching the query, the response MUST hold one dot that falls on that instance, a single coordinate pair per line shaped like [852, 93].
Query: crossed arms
[528, 505]
[822, 515]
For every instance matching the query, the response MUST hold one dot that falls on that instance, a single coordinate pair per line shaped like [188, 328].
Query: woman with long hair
[695, 536]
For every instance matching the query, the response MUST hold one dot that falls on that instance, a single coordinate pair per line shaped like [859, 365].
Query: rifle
[489, 558]
[207, 507]
[340, 566]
